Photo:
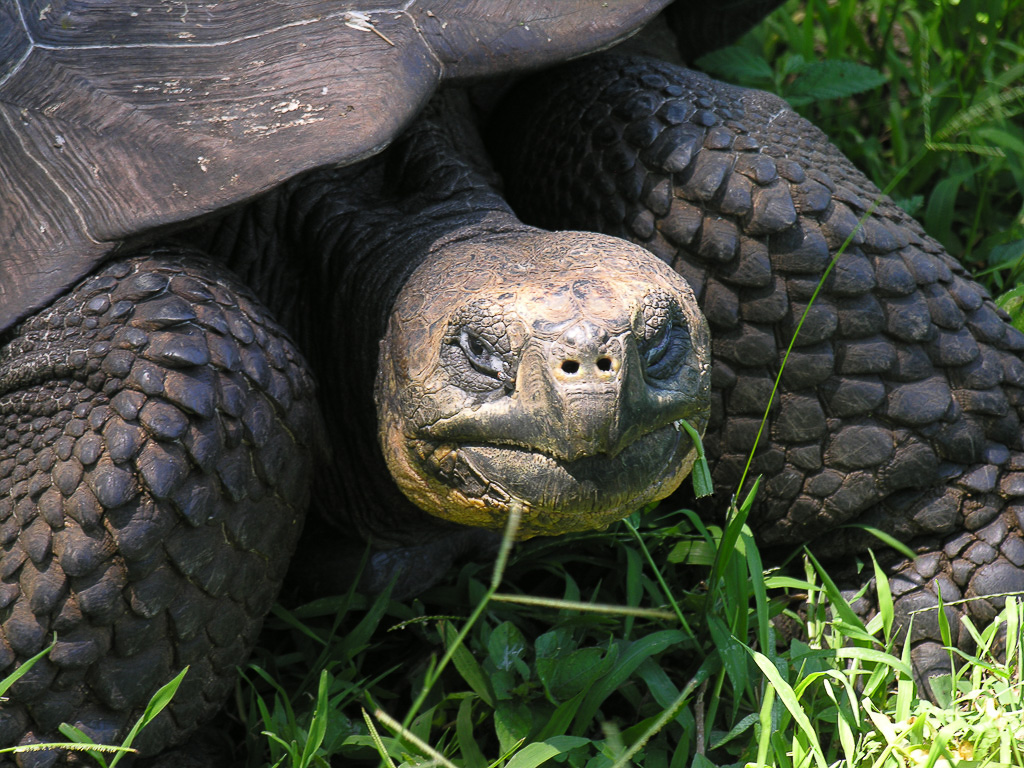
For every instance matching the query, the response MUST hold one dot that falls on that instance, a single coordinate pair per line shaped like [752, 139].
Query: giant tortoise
[162, 423]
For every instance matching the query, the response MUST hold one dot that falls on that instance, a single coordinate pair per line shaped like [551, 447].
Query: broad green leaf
[693, 552]
[942, 690]
[939, 214]
[559, 721]
[512, 723]
[793, 64]
[566, 676]
[730, 651]
[1012, 302]
[506, 647]
[385, 745]
[658, 682]
[701, 472]
[502, 683]
[535, 754]
[832, 79]
[911, 205]
[554, 644]
[736, 64]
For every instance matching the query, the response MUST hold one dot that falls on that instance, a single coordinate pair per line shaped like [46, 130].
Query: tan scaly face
[549, 368]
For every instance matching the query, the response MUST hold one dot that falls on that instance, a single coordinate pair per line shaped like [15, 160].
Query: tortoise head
[550, 369]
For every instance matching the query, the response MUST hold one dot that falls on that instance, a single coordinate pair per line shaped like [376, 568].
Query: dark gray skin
[900, 406]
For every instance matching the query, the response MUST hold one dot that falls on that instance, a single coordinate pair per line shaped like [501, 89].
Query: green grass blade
[838, 602]
[701, 473]
[22, 670]
[631, 658]
[905, 686]
[886, 609]
[661, 579]
[467, 666]
[464, 728]
[731, 652]
[156, 704]
[789, 699]
[755, 569]
[318, 726]
[377, 741]
[766, 729]
[889, 541]
[413, 739]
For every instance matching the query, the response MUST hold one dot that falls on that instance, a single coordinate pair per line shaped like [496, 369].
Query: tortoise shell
[120, 117]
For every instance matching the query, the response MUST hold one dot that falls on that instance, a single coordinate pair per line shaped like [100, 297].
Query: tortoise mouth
[559, 495]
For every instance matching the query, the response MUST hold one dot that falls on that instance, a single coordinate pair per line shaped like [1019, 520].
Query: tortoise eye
[476, 347]
[667, 352]
[481, 355]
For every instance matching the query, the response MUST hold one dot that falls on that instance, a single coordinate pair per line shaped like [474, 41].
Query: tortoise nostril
[570, 366]
[604, 364]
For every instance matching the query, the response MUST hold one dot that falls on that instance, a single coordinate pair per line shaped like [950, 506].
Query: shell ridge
[31, 47]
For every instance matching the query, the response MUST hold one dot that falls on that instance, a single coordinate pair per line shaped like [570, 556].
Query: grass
[511, 665]
[704, 682]
[933, 85]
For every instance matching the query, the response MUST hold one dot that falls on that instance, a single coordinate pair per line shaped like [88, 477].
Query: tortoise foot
[331, 562]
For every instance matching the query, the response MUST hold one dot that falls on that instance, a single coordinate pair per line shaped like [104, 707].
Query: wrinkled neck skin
[329, 252]
[363, 265]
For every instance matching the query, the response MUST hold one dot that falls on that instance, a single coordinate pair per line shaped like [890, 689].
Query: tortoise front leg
[155, 457]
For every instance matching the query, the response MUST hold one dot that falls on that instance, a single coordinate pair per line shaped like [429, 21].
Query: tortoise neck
[356, 234]
[328, 253]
